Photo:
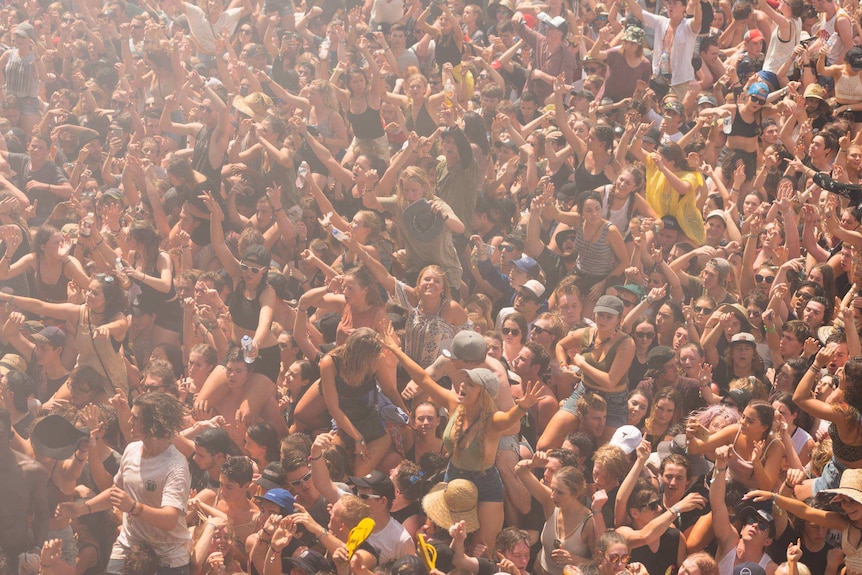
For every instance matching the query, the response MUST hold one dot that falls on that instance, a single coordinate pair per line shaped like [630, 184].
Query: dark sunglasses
[248, 268]
[509, 331]
[507, 248]
[761, 525]
[540, 330]
[592, 69]
[758, 101]
[367, 496]
[653, 505]
[760, 279]
[701, 309]
[628, 303]
[299, 482]
[645, 334]
[804, 296]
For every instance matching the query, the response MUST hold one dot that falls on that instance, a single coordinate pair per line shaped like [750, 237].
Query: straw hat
[255, 105]
[851, 485]
[448, 503]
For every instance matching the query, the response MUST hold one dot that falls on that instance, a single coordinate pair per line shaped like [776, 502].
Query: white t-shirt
[158, 481]
[204, 33]
[393, 542]
[684, 40]
[388, 11]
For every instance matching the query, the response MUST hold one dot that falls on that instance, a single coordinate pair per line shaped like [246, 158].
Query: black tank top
[367, 125]
[201, 156]
[585, 181]
[245, 312]
[744, 129]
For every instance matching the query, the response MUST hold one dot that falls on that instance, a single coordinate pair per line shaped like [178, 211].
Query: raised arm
[436, 392]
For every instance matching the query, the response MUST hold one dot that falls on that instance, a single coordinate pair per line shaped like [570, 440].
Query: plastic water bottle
[301, 174]
[727, 125]
[339, 235]
[324, 48]
[119, 265]
[449, 93]
[247, 349]
[664, 64]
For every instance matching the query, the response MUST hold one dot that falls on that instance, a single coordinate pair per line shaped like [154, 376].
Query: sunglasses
[628, 303]
[540, 330]
[507, 248]
[761, 525]
[509, 331]
[804, 296]
[299, 482]
[644, 334]
[758, 101]
[248, 268]
[653, 505]
[367, 496]
[592, 70]
[701, 309]
[760, 279]
[616, 558]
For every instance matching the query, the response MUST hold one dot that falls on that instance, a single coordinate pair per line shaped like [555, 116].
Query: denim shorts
[829, 478]
[571, 404]
[617, 408]
[488, 482]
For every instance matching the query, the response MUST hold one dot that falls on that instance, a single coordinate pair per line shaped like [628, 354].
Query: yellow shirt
[666, 201]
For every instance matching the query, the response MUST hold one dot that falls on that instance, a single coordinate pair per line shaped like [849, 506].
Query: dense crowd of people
[427, 287]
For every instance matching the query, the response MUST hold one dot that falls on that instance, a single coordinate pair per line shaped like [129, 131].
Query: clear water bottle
[119, 265]
[324, 48]
[339, 235]
[301, 174]
[449, 93]
[664, 64]
[727, 125]
[248, 354]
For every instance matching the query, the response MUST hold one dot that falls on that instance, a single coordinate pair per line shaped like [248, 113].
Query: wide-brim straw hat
[449, 503]
[850, 486]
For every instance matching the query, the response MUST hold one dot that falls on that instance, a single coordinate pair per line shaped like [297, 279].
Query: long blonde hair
[487, 407]
[326, 92]
[418, 175]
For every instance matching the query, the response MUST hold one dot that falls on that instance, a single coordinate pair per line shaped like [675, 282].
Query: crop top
[245, 313]
[744, 129]
[842, 450]
[367, 125]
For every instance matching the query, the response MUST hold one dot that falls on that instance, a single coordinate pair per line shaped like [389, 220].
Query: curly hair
[161, 415]
[614, 460]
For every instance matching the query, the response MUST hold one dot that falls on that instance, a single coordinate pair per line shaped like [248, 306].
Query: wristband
[787, 485]
[768, 330]
[721, 470]
[310, 458]
[676, 510]
[139, 508]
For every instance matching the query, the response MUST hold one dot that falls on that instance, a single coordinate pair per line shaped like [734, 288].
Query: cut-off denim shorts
[488, 482]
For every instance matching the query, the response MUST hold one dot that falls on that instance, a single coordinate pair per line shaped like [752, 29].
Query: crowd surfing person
[567, 287]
